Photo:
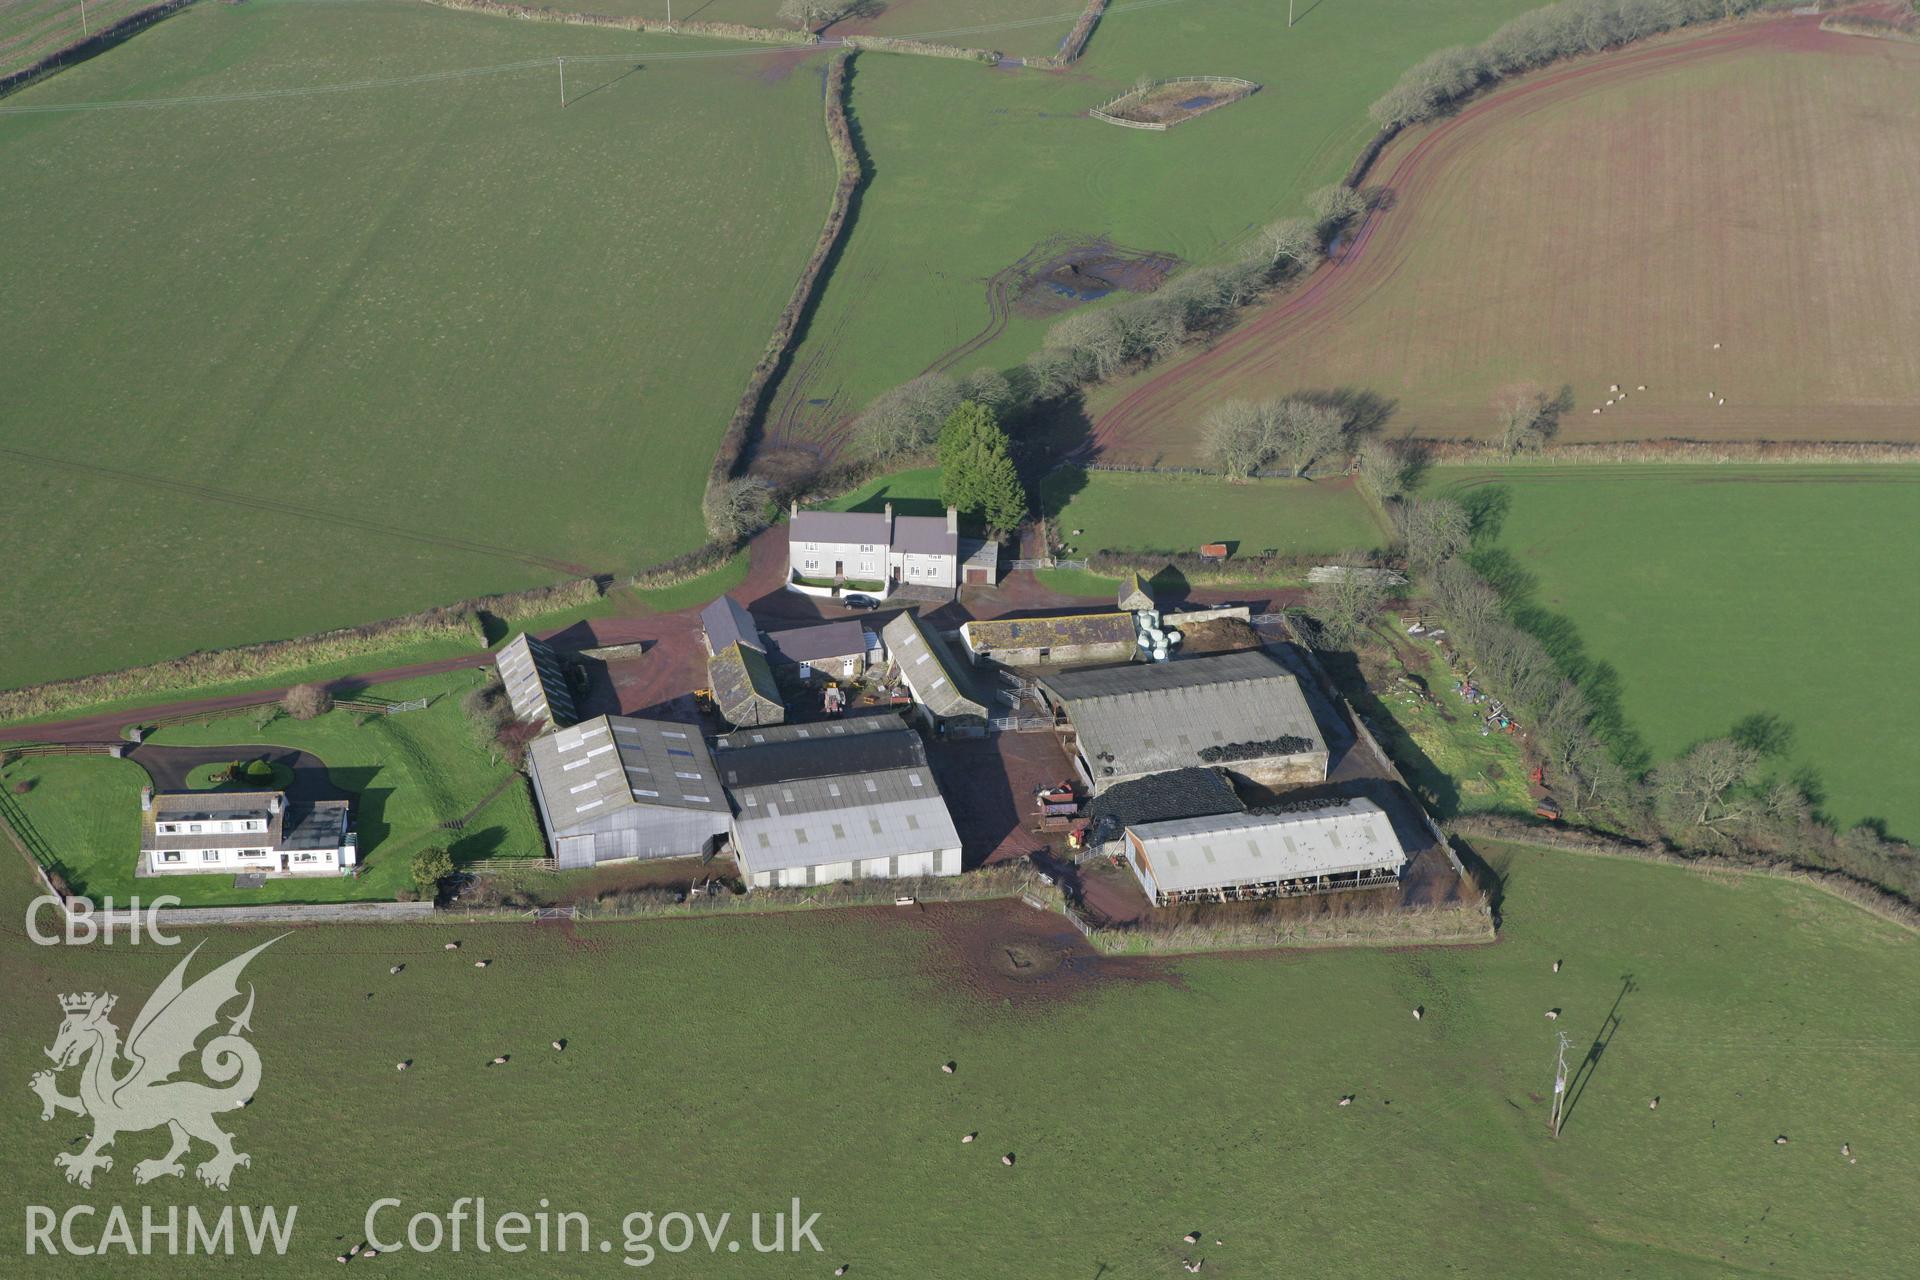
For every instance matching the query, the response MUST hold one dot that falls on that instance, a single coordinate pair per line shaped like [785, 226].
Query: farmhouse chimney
[274, 802]
[146, 799]
[953, 520]
[793, 506]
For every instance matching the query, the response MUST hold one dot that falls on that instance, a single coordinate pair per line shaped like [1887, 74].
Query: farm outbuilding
[743, 687]
[1062, 640]
[943, 695]
[725, 622]
[535, 681]
[847, 800]
[839, 650]
[618, 789]
[1225, 857]
[1135, 593]
[1242, 712]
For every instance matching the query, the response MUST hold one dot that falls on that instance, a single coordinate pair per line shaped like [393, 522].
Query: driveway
[169, 767]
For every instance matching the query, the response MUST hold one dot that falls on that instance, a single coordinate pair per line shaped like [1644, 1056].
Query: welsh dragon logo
[129, 1089]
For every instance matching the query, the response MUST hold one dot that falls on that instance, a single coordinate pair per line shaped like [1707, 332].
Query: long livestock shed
[1243, 712]
[617, 789]
[846, 800]
[1341, 845]
[535, 681]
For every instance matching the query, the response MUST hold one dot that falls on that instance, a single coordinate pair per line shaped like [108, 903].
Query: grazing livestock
[1346, 1100]
[1419, 1012]
[481, 964]
[1192, 1237]
[559, 1045]
[968, 1137]
[403, 1064]
[1780, 1141]
[840, 1270]
[500, 1061]
[397, 968]
[453, 946]
[1007, 1159]
[1846, 1148]
[1614, 387]
[1556, 966]
[1641, 387]
[1553, 1015]
[947, 1067]
[1653, 1103]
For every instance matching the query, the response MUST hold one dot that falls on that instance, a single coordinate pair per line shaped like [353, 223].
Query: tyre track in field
[280, 507]
[1381, 246]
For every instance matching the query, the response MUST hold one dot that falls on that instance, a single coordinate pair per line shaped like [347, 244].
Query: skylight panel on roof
[640, 792]
[586, 805]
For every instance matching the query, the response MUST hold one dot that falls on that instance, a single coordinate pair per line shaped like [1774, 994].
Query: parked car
[859, 602]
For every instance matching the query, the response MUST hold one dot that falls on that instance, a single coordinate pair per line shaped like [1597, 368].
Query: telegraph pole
[1289, 15]
[1560, 1084]
[563, 80]
[83, 18]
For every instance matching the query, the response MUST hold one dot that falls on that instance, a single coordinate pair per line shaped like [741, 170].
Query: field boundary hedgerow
[1673, 450]
[922, 48]
[652, 26]
[1867, 897]
[779, 348]
[1076, 41]
[462, 621]
[1871, 28]
[89, 46]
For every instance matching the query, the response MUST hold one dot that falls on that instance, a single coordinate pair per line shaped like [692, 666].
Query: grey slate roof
[535, 682]
[930, 669]
[213, 806]
[925, 535]
[743, 686]
[610, 762]
[1247, 848]
[726, 621]
[844, 639]
[838, 526]
[319, 825]
[1151, 717]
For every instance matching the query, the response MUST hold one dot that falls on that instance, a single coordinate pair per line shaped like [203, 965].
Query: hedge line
[847, 157]
[718, 30]
[90, 45]
[1443, 80]
[1461, 922]
[460, 621]
[1076, 41]
[1873, 28]
[1886, 905]
[926, 48]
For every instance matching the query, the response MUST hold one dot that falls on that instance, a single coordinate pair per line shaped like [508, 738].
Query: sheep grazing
[403, 1064]
[1721, 400]
[481, 964]
[840, 1270]
[452, 946]
[1716, 346]
[1419, 1012]
[1556, 966]
[1007, 1159]
[1614, 387]
[1653, 1104]
[968, 1137]
[1596, 411]
[500, 1061]
[369, 1253]
[559, 1046]
[397, 968]
[1780, 1141]
[1609, 399]
[1346, 1100]
[1192, 1237]
[339, 1257]
[1846, 1148]
[948, 1068]
[1641, 387]
[1553, 1015]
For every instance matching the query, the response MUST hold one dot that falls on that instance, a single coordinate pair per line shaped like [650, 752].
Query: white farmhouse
[188, 832]
[874, 552]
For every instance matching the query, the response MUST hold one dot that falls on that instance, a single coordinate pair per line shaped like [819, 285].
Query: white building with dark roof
[846, 800]
[874, 552]
[263, 832]
[618, 789]
[838, 650]
[536, 683]
[1225, 857]
[1242, 712]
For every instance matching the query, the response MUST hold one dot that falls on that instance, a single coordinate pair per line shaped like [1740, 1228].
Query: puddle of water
[1088, 293]
[1194, 104]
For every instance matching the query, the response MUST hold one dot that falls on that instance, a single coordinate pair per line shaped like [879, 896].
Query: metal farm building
[1340, 845]
[617, 789]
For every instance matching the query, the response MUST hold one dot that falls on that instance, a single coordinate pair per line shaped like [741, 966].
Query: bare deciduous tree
[1708, 787]
[1382, 469]
[1290, 242]
[1524, 416]
[1304, 431]
[811, 14]
[306, 701]
[1433, 529]
[1235, 439]
[907, 419]
[738, 508]
[1348, 604]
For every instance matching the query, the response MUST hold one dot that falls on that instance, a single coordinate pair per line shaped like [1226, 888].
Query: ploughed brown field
[1609, 222]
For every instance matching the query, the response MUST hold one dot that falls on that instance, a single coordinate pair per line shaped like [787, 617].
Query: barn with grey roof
[1242, 712]
[1347, 844]
[617, 789]
[943, 692]
[536, 682]
[846, 800]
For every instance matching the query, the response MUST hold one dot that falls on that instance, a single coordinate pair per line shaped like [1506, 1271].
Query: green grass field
[975, 168]
[1704, 595]
[32, 29]
[288, 363]
[730, 1065]
[408, 773]
[1133, 511]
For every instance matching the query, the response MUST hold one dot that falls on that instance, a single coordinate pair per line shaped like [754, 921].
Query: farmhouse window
[812, 563]
[209, 855]
[867, 548]
[253, 853]
[193, 826]
[169, 857]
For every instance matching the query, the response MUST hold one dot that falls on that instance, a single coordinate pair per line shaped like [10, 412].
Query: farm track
[1375, 256]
